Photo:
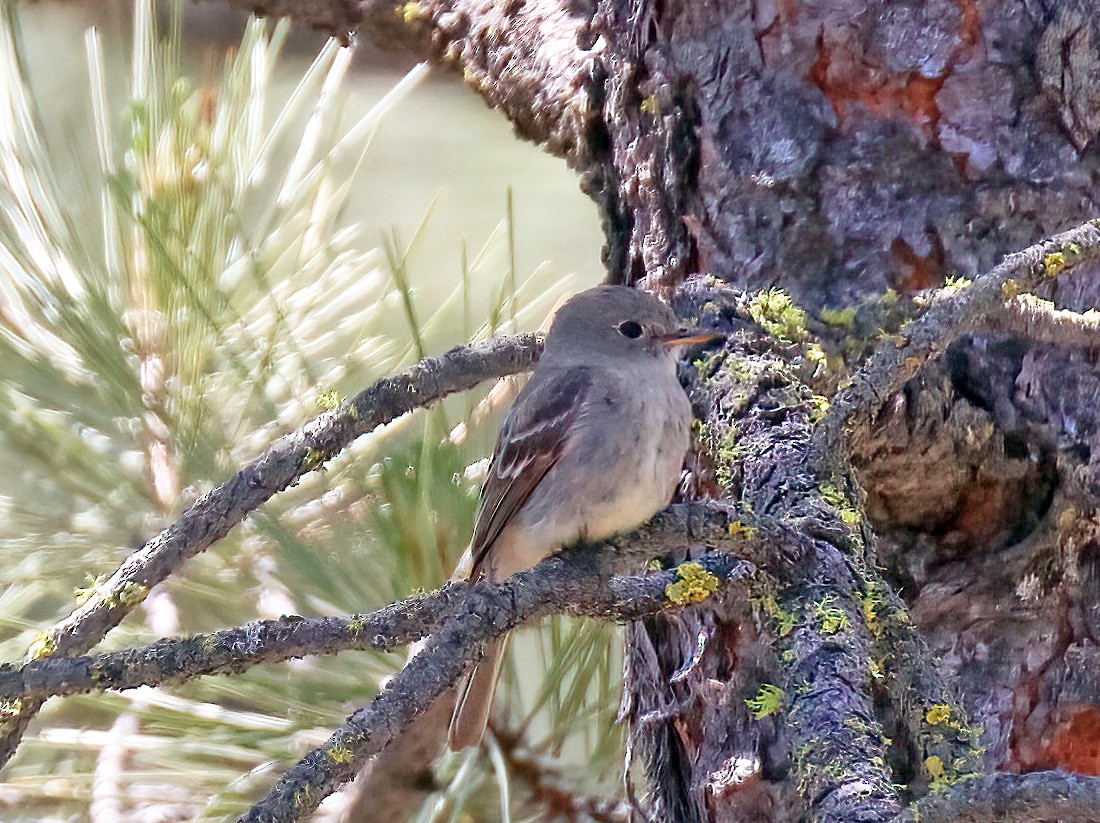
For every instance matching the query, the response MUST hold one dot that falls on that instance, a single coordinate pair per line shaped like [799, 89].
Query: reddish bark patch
[1075, 744]
[916, 272]
[900, 96]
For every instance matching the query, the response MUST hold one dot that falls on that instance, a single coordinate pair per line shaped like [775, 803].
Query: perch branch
[951, 315]
[1007, 798]
[213, 515]
[174, 660]
[557, 585]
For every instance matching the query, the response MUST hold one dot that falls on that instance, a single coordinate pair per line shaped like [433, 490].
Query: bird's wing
[531, 440]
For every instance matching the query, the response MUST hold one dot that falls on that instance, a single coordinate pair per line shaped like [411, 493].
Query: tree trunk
[851, 152]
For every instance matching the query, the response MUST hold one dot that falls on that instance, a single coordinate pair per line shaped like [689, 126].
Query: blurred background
[211, 229]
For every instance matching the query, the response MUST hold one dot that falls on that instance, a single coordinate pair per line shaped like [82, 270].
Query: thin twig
[213, 515]
[557, 585]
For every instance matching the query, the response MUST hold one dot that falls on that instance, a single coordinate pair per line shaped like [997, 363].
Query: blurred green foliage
[219, 299]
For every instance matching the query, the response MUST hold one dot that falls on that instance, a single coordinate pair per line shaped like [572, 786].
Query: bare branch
[212, 516]
[560, 584]
[1008, 798]
[950, 316]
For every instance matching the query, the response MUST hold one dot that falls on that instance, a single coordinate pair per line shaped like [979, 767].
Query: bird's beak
[685, 337]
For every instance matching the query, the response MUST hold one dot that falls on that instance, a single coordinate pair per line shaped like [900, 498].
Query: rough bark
[852, 152]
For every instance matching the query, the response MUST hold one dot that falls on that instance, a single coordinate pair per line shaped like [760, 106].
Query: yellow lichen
[741, 531]
[938, 714]
[693, 584]
[1054, 263]
[409, 12]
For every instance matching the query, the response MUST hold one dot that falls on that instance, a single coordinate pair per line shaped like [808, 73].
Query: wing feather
[531, 441]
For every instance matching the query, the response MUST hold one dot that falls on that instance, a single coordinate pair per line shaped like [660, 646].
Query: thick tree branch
[174, 660]
[1039, 320]
[951, 315]
[531, 59]
[1009, 798]
[213, 515]
[558, 585]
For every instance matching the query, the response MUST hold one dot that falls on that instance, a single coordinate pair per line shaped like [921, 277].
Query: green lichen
[871, 599]
[328, 400]
[835, 498]
[43, 645]
[783, 619]
[875, 669]
[767, 701]
[841, 318]
[313, 459]
[819, 407]
[831, 618]
[779, 315]
[693, 584]
[84, 593]
[10, 709]
[649, 104]
[956, 283]
[356, 624]
[303, 797]
[130, 594]
[341, 753]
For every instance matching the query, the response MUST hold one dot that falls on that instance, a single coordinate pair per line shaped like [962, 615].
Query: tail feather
[475, 699]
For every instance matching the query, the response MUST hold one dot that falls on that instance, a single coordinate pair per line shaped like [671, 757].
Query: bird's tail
[475, 699]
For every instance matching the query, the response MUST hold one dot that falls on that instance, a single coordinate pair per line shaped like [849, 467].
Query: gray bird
[592, 447]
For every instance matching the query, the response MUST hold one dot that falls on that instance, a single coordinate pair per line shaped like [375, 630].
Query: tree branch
[533, 59]
[213, 515]
[561, 584]
[175, 660]
[953, 313]
[1036, 319]
[1008, 798]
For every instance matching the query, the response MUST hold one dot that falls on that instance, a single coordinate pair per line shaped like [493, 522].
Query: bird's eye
[630, 329]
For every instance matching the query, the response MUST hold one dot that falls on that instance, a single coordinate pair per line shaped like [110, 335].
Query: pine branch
[212, 516]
